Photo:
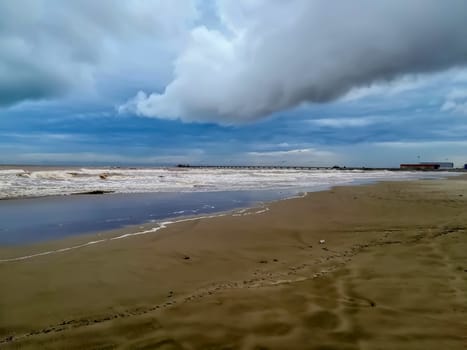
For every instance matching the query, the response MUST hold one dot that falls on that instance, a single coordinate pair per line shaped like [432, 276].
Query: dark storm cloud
[275, 55]
[48, 47]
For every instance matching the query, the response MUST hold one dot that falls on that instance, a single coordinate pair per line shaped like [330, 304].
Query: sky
[272, 82]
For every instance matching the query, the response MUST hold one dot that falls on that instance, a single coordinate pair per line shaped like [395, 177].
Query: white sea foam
[61, 250]
[21, 183]
[246, 212]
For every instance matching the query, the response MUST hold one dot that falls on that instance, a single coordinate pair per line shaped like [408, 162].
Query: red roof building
[429, 166]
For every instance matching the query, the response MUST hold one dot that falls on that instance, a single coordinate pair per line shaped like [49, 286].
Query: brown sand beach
[390, 274]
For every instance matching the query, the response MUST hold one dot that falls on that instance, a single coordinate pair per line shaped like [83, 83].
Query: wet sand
[391, 274]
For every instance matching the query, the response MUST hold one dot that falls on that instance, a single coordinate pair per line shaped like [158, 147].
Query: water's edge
[148, 227]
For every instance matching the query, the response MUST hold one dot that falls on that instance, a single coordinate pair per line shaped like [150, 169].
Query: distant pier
[279, 167]
[291, 167]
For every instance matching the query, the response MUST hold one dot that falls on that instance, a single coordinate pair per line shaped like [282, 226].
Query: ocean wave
[21, 183]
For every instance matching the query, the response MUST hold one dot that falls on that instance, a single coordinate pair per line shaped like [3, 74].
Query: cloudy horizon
[160, 82]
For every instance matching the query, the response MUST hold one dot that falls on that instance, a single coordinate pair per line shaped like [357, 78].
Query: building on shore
[428, 166]
[420, 166]
[442, 165]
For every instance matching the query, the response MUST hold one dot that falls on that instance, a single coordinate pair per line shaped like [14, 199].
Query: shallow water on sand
[24, 221]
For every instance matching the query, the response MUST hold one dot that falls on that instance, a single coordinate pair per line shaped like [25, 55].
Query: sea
[42, 204]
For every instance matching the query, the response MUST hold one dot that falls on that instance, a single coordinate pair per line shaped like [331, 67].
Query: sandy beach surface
[390, 274]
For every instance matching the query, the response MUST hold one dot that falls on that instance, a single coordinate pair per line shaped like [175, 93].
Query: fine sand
[391, 274]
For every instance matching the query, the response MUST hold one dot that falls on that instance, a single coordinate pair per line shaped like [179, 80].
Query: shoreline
[112, 235]
[60, 218]
[79, 240]
[83, 240]
[389, 273]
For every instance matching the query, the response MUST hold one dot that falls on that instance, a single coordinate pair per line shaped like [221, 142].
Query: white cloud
[347, 122]
[283, 144]
[301, 156]
[422, 144]
[457, 94]
[273, 55]
[26, 157]
[43, 136]
[456, 102]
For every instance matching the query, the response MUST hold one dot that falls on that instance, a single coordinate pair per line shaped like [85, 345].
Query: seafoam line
[61, 250]
[160, 226]
[245, 212]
